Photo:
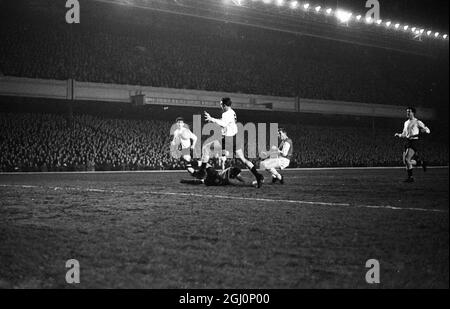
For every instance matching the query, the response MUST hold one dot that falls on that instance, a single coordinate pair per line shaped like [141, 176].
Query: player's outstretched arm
[404, 134]
[424, 128]
[220, 122]
[192, 181]
[194, 140]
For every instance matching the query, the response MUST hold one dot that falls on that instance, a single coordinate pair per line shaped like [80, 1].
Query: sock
[203, 167]
[275, 174]
[410, 173]
[254, 171]
[223, 161]
[189, 168]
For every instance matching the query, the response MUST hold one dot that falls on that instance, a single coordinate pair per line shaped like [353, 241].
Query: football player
[280, 157]
[411, 131]
[182, 138]
[228, 123]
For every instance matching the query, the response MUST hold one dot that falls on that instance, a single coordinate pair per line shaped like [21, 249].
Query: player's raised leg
[271, 166]
[250, 166]
[208, 150]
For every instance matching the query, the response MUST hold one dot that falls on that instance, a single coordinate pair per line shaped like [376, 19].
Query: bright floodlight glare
[343, 16]
[429, 32]
[280, 2]
[329, 11]
[445, 36]
[294, 4]
[358, 17]
[379, 21]
[318, 8]
[267, 1]
[436, 34]
[388, 24]
[369, 20]
[397, 26]
[306, 6]
[413, 29]
[406, 27]
[422, 31]
[237, 2]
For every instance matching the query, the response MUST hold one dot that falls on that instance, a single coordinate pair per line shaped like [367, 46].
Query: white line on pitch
[266, 200]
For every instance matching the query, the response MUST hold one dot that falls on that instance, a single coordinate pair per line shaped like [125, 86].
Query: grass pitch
[146, 230]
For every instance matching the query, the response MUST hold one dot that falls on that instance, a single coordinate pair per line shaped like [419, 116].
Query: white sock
[275, 174]
[223, 160]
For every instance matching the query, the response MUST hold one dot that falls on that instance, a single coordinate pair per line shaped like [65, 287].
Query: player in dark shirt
[228, 177]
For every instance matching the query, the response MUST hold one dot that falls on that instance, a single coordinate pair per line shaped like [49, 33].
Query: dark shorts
[412, 144]
[231, 144]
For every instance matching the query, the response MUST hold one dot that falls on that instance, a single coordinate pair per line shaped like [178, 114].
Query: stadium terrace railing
[85, 91]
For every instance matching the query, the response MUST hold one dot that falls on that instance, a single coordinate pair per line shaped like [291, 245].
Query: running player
[411, 131]
[182, 138]
[228, 123]
[282, 157]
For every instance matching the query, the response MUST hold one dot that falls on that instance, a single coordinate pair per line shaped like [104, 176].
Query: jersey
[184, 136]
[229, 123]
[412, 129]
[286, 148]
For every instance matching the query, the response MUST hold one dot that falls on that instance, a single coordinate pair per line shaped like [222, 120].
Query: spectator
[44, 142]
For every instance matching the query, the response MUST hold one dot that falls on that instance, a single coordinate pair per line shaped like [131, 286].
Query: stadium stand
[131, 46]
[54, 142]
[124, 45]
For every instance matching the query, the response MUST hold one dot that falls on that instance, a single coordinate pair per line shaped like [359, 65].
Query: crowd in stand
[145, 48]
[51, 142]
[141, 47]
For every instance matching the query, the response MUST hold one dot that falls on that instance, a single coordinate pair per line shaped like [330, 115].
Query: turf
[146, 230]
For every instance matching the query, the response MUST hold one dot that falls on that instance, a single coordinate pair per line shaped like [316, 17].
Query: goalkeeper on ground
[228, 177]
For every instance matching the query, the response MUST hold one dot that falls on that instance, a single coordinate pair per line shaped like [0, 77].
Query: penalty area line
[230, 197]
[294, 201]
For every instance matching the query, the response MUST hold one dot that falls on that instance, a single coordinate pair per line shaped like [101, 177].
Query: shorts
[277, 163]
[412, 144]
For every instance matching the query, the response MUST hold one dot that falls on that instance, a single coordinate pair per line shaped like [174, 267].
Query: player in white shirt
[184, 140]
[280, 157]
[228, 123]
[411, 131]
